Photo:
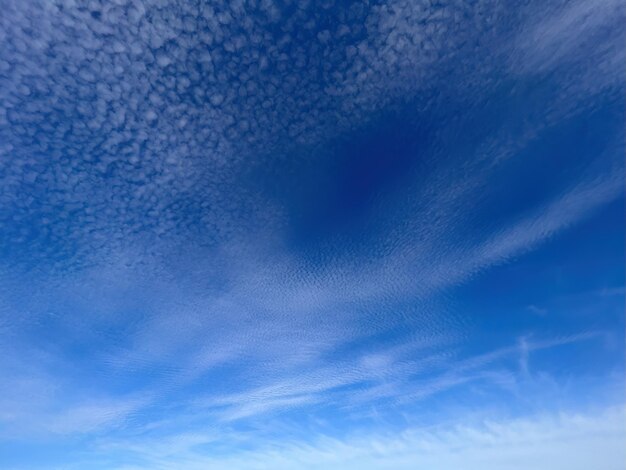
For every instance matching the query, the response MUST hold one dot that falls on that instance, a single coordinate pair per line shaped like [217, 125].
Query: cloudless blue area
[275, 234]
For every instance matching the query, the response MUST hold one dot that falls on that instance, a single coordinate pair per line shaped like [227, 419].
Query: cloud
[158, 161]
[566, 32]
[550, 441]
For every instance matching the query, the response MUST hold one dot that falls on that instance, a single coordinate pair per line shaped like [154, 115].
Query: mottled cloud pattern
[276, 234]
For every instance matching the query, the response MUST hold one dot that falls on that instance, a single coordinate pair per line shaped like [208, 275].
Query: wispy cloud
[561, 441]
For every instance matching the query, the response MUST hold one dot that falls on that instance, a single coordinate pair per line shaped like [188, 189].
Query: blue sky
[283, 235]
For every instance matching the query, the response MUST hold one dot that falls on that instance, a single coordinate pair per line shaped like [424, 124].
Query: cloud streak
[567, 440]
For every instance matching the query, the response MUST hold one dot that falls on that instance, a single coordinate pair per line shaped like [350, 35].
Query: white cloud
[564, 441]
[121, 166]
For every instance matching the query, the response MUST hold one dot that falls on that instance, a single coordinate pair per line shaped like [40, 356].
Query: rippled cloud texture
[274, 234]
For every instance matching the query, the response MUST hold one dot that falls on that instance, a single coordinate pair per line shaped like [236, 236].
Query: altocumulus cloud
[306, 234]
